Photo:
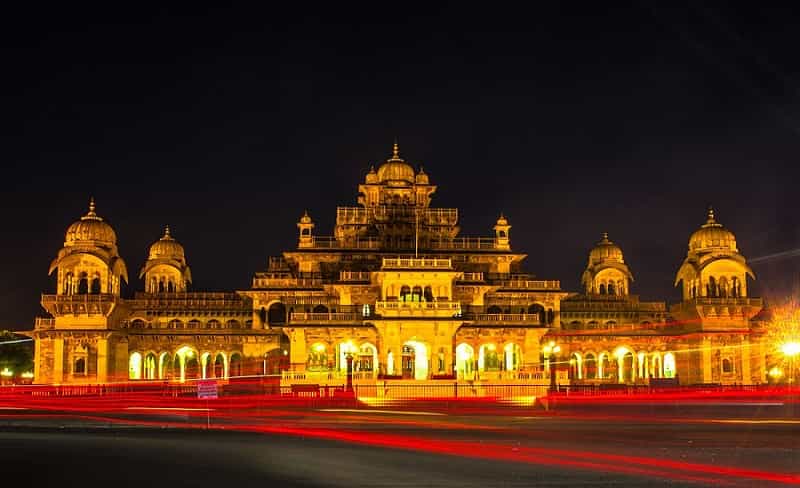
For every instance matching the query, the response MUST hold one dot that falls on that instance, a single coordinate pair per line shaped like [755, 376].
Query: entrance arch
[415, 360]
[465, 362]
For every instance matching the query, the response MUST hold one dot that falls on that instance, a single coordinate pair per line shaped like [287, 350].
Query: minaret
[305, 226]
[501, 237]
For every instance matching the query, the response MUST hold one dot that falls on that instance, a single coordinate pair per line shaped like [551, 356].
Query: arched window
[367, 356]
[137, 324]
[593, 324]
[69, 283]
[494, 309]
[487, 358]
[602, 289]
[170, 286]
[161, 286]
[735, 290]
[233, 324]
[405, 293]
[213, 324]
[611, 324]
[317, 357]
[194, 324]
[135, 366]
[320, 309]
[150, 367]
[428, 294]
[276, 314]
[610, 289]
[575, 324]
[416, 294]
[501, 233]
[83, 284]
[235, 367]
[590, 366]
[727, 365]
[80, 366]
[712, 286]
[175, 324]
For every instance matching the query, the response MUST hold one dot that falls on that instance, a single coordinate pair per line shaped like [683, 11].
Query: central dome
[90, 228]
[166, 247]
[712, 235]
[396, 169]
[605, 250]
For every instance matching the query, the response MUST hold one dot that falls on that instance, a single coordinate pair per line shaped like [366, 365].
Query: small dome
[90, 228]
[422, 177]
[372, 176]
[605, 250]
[502, 220]
[305, 219]
[712, 235]
[396, 169]
[166, 247]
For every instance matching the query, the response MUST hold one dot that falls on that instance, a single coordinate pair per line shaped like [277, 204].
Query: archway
[205, 365]
[415, 360]
[590, 366]
[367, 358]
[235, 367]
[135, 366]
[575, 366]
[465, 362]
[487, 358]
[317, 357]
[656, 366]
[164, 366]
[604, 370]
[344, 349]
[219, 366]
[150, 366]
[669, 365]
[512, 355]
[274, 361]
[276, 315]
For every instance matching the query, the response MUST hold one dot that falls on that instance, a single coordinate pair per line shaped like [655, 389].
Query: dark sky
[571, 119]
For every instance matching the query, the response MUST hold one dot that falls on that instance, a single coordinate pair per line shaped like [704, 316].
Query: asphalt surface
[398, 449]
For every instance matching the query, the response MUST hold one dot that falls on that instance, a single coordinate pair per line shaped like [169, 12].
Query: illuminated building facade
[399, 293]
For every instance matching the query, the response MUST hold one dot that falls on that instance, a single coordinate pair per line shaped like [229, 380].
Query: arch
[276, 314]
[205, 365]
[669, 365]
[604, 370]
[575, 366]
[150, 366]
[275, 361]
[427, 294]
[317, 357]
[69, 284]
[415, 360]
[83, 283]
[610, 289]
[170, 286]
[213, 324]
[655, 366]
[175, 324]
[611, 324]
[416, 294]
[602, 288]
[233, 324]
[487, 358]
[320, 309]
[135, 366]
[727, 366]
[137, 324]
[164, 365]
[642, 364]
[494, 309]
[512, 357]
[405, 293]
[538, 310]
[186, 364]
[465, 362]
[343, 350]
[235, 365]
[80, 366]
[590, 366]
[575, 324]
[593, 324]
[194, 324]
[367, 358]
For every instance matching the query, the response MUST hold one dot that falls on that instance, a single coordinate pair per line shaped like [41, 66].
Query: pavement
[171, 446]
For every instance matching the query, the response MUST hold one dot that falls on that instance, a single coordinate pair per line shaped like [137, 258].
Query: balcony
[305, 318]
[504, 318]
[354, 276]
[44, 323]
[260, 282]
[84, 304]
[529, 284]
[418, 309]
[416, 263]
[372, 243]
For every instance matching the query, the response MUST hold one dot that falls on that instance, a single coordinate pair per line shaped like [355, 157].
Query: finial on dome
[710, 213]
[395, 150]
[91, 215]
[91, 205]
[605, 236]
[166, 233]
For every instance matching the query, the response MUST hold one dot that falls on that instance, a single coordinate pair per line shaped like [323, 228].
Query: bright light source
[27, 375]
[6, 373]
[621, 351]
[791, 349]
[775, 373]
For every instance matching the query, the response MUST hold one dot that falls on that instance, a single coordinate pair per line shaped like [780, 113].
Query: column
[706, 360]
[298, 355]
[38, 367]
[102, 360]
[746, 358]
[58, 360]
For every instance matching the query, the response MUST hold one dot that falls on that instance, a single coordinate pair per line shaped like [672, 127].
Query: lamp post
[349, 358]
[551, 349]
[791, 350]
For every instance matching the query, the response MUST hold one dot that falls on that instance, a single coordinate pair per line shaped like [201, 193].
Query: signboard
[207, 389]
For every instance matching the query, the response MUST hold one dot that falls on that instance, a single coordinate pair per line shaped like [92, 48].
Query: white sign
[207, 389]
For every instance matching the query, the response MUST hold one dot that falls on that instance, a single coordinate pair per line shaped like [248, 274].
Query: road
[339, 447]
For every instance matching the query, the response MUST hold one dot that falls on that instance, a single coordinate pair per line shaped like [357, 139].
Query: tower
[305, 226]
[606, 272]
[165, 269]
[501, 237]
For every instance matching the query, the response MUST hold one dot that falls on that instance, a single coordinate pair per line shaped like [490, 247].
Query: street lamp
[791, 350]
[551, 349]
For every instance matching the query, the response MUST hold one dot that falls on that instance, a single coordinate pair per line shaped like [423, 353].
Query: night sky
[571, 119]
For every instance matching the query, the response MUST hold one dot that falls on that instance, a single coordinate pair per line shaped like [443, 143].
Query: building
[400, 294]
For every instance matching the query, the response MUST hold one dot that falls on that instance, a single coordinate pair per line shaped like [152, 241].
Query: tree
[16, 356]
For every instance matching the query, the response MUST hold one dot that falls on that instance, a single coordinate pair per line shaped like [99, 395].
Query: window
[727, 366]
[80, 366]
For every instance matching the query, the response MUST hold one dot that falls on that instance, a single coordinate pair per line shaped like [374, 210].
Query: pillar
[58, 360]
[297, 350]
[102, 360]
[37, 361]
[706, 360]
[747, 377]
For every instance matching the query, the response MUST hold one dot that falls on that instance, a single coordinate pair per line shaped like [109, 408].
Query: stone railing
[416, 263]
[287, 282]
[454, 306]
[505, 318]
[322, 318]
[354, 275]
[530, 284]
[44, 323]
